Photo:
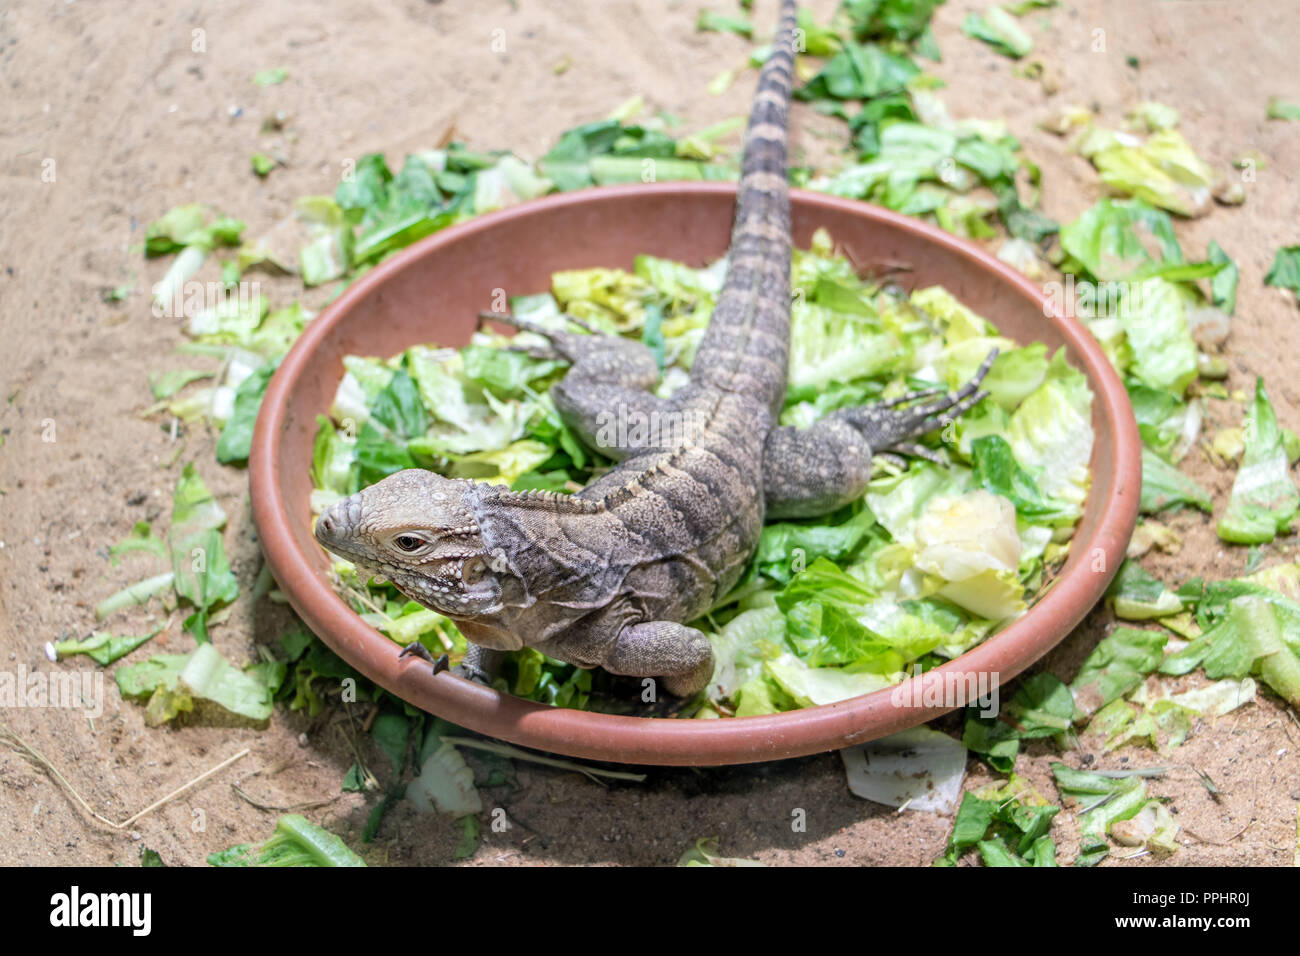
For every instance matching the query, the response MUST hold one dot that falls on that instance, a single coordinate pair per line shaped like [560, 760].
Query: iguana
[607, 576]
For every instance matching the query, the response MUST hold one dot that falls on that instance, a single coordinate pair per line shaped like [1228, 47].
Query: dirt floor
[109, 117]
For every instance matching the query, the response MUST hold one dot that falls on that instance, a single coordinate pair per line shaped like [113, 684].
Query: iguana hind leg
[605, 395]
[593, 356]
[812, 471]
[891, 426]
[681, 656]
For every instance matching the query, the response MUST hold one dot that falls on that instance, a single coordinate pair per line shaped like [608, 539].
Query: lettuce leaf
[295, 842]
[202, 573]
[1137, 596]
[1163, 171]
[1164, 486]
[1115, 238]
[999, 30]
[172, 683]
[1264, 498]
[1154, 319]
[1118, 664]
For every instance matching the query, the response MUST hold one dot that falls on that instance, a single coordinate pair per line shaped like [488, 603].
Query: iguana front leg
[605, 395]
[480, 664]
[680, 655]
[812, 471]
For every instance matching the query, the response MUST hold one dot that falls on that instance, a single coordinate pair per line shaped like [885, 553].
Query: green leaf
[1223, 287]
[295, 842]
[139, 593]
[173, 682]
[705, 853]
[1164, 486]
[859, 73]
[1041, 707]
[710, 21]
[392, 734]
[237, 434]
[999, 30]
[190, 225]
[905, 20]
[103, 648]
[1285, 271]
[469, 833]
[378, 457]
[1163, 171]
[1008, 825]
[997, 470]
[262, 164]
[1115, 238]
[353, 780]
[1117, 665]
[202, 575]
[398, 406]
[786, 547]
[166, 384]
[1264, 498]
[1106, 800]
[1138, 596]
[141, 538]
[1154, 319]
[1279, 108]
[271, 77]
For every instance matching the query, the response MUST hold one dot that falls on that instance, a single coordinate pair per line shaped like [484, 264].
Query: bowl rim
[642, 740]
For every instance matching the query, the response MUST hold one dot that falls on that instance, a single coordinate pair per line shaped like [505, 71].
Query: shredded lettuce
[295, 842]
[926, 565]
[1264, 497]
[174, 683]
[998, 29]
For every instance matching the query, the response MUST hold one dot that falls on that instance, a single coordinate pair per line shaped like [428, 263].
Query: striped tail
[746, 348]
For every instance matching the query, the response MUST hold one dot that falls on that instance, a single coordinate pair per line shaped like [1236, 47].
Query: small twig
[506, 750]
[370, 719]
[1197, 836]
[370, 782]
[40, 759]
[292, 808]
[447, 135]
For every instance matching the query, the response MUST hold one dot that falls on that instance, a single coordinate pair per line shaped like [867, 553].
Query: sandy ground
[109, 117]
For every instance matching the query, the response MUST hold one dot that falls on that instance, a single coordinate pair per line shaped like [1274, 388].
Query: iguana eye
[408, 542]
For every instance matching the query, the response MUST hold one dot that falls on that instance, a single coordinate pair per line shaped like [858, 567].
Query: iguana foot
[812, 471]
[528, 325]
[886, 427]
[480, 665]
[679, 657]
[416, 649]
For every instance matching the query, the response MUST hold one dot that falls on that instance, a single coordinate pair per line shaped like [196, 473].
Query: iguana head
[418, 530]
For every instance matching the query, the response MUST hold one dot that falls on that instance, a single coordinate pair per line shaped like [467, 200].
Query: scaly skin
[607, 576]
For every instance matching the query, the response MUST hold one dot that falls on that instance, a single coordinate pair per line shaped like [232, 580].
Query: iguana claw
[889, 430]
[416, 649]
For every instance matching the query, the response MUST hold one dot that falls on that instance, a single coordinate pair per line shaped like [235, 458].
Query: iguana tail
[746, 348]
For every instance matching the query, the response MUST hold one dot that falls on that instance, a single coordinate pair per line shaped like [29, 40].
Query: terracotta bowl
[432, 291]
